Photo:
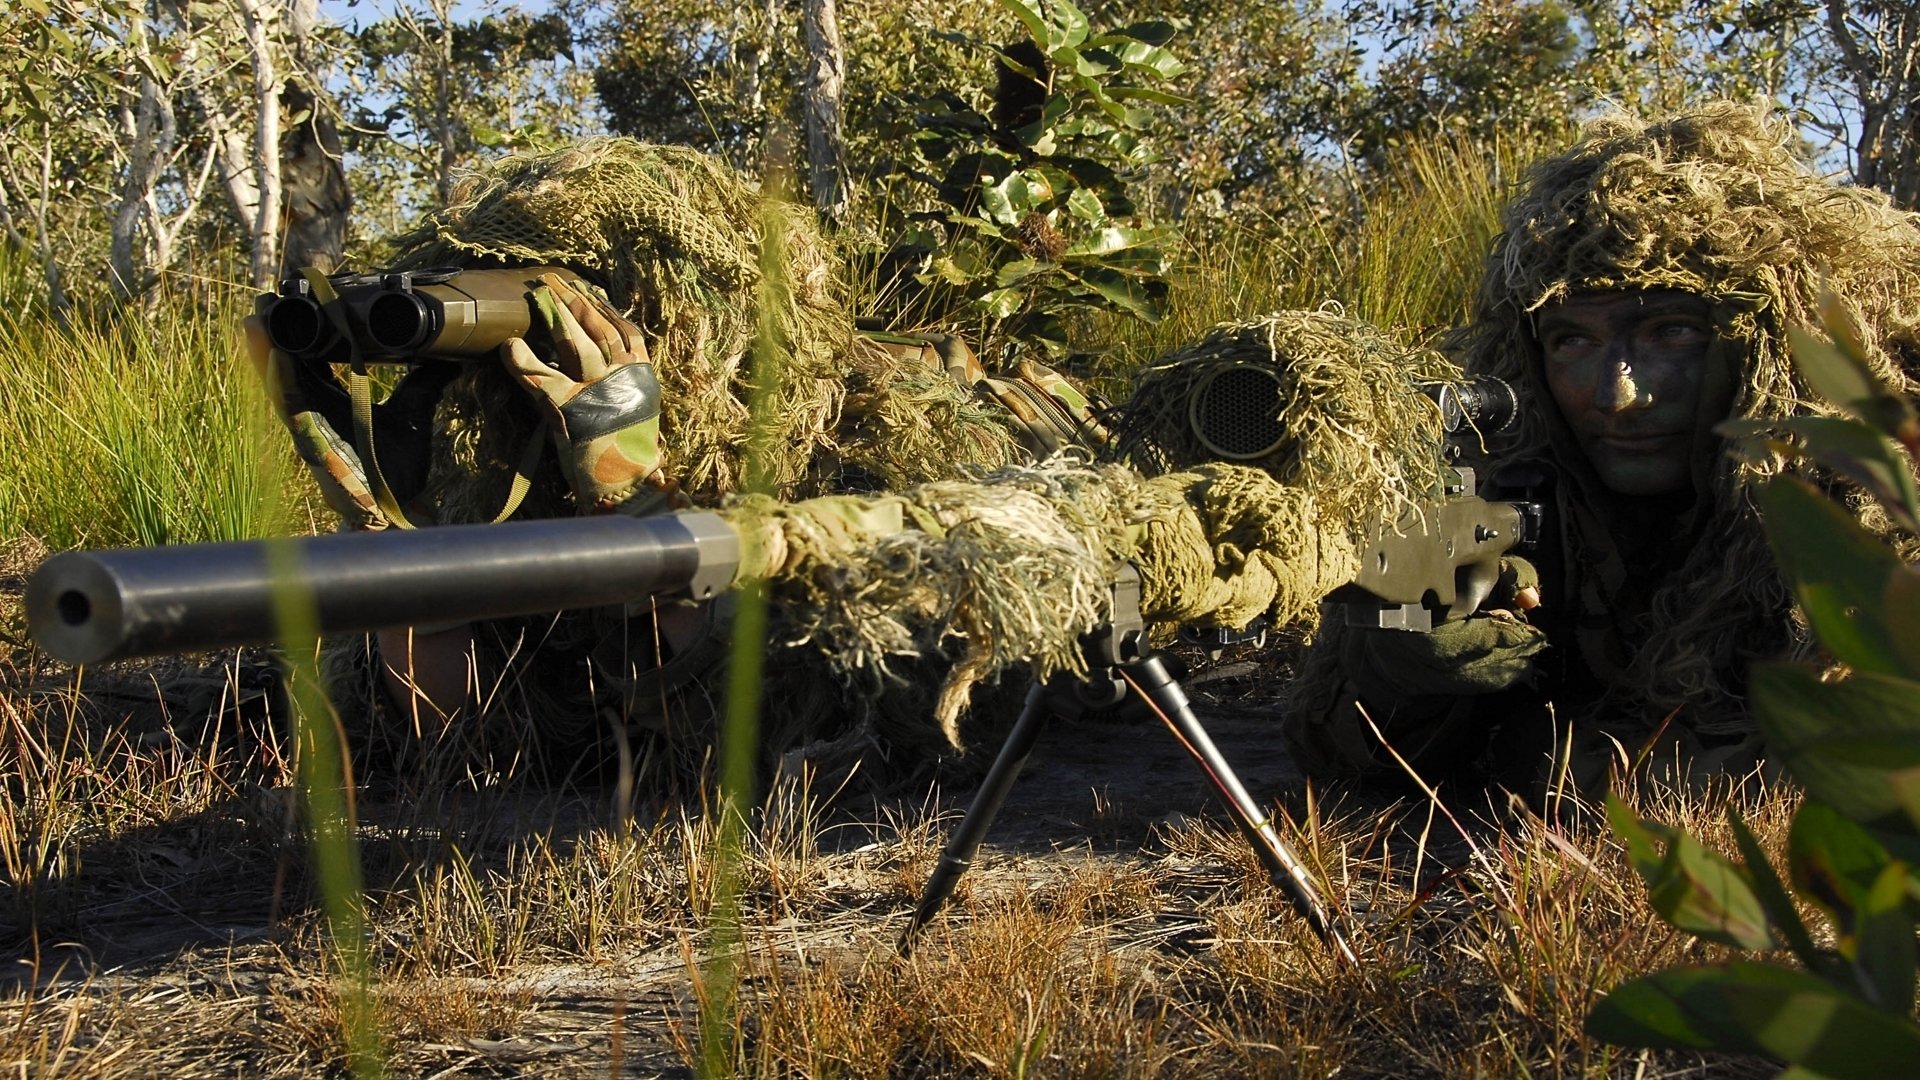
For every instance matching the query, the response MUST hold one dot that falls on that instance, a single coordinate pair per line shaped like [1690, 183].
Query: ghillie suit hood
[720, 279]
[1337, 412]
[1715, 201]
[702, 262]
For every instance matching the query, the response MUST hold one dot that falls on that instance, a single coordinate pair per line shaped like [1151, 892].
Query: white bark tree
[826, 141]
[1879, 53]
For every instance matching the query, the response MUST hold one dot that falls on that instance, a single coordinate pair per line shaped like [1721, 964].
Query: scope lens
[1484, 403]
[1235, 412]
[398, 322]
[296, 325]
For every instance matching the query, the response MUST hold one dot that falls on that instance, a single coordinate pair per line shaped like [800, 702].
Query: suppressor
[87, 607]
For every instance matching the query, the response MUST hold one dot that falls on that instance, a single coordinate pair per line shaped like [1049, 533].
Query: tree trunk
[257, 18]
[318, 201]
[1879, 50]
[826, 146]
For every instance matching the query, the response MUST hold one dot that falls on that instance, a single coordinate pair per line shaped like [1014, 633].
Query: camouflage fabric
[599, 396]
[1655, 615]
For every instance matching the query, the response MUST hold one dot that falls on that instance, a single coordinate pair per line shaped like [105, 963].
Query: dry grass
[160, 901]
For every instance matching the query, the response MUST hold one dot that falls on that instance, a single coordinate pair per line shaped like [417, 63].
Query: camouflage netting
[912, 599]
[1350, 421]
[1016, 568]
[1715, 201]
[693, 252]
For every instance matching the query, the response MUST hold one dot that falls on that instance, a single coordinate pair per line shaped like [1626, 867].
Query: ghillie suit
[1317, 400]
[1716, 202]
[694, 255]
[723, 283]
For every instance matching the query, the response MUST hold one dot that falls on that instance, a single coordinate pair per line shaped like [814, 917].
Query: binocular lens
[398, 322]
[297, 326]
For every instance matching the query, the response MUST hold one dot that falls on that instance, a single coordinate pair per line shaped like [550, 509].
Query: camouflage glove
[1049, 411]
[316, 409]
[599, 397]
[1484, 653]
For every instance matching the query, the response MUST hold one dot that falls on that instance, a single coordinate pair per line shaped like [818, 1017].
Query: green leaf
[1111, 239]
[1902, 608]
[1094, 63]
[1149, 59]
[1690, 887]
[1772, 892]
[1852, 449]
[1152, 32]
[1033, 17]
[1001, 303]
[1085, 205]
[1834, 863]
[1836, 371]
[1019, 270]
[1748, 1007]
[1141, 93]
[1843, 741]
[1137, 298]
[1839, 571]
[1884, 956]
[997, 199]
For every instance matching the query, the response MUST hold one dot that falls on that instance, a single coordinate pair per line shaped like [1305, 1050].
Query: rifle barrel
[87, 607]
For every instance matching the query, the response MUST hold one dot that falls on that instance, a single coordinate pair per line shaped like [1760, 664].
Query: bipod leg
[965, 841]
[1149, 678]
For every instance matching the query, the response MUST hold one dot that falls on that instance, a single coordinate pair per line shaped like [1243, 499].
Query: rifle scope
[1235, 411]
[405, 316]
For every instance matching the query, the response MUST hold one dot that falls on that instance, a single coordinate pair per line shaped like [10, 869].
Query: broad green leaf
[1001, 303]
[1034, 18]
[1883, 930]
[1085, 205]
[1749, 1007]
[1141, 93]
[1771, 892]
[1836, 372]
[1132, 296]
[1019, 270]
[1095, 62]
[1842, 740]
[1902, 608]
[1152, 32]
[1905, 784]
[1839, 571]
[1834, 863]
[997, 200]
[1692, 888]
[1853, 449]
[1111, 239]
[1151, 59]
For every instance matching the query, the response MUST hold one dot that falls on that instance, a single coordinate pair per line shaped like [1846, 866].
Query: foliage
[430, 89]
[1031, 209]
[137, 431]
[1853, 853]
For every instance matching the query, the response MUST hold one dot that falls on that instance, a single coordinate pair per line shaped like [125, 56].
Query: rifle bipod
[1125, 669]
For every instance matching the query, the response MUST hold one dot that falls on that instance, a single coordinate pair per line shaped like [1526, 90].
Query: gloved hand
[1486, 652]
[318, 413]
[599, 396]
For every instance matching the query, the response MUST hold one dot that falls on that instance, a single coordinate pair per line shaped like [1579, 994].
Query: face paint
[1628, 371]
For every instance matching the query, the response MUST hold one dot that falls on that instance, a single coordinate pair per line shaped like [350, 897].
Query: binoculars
[404, 316]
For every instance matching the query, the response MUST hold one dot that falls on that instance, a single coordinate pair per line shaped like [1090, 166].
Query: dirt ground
[172, 934]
